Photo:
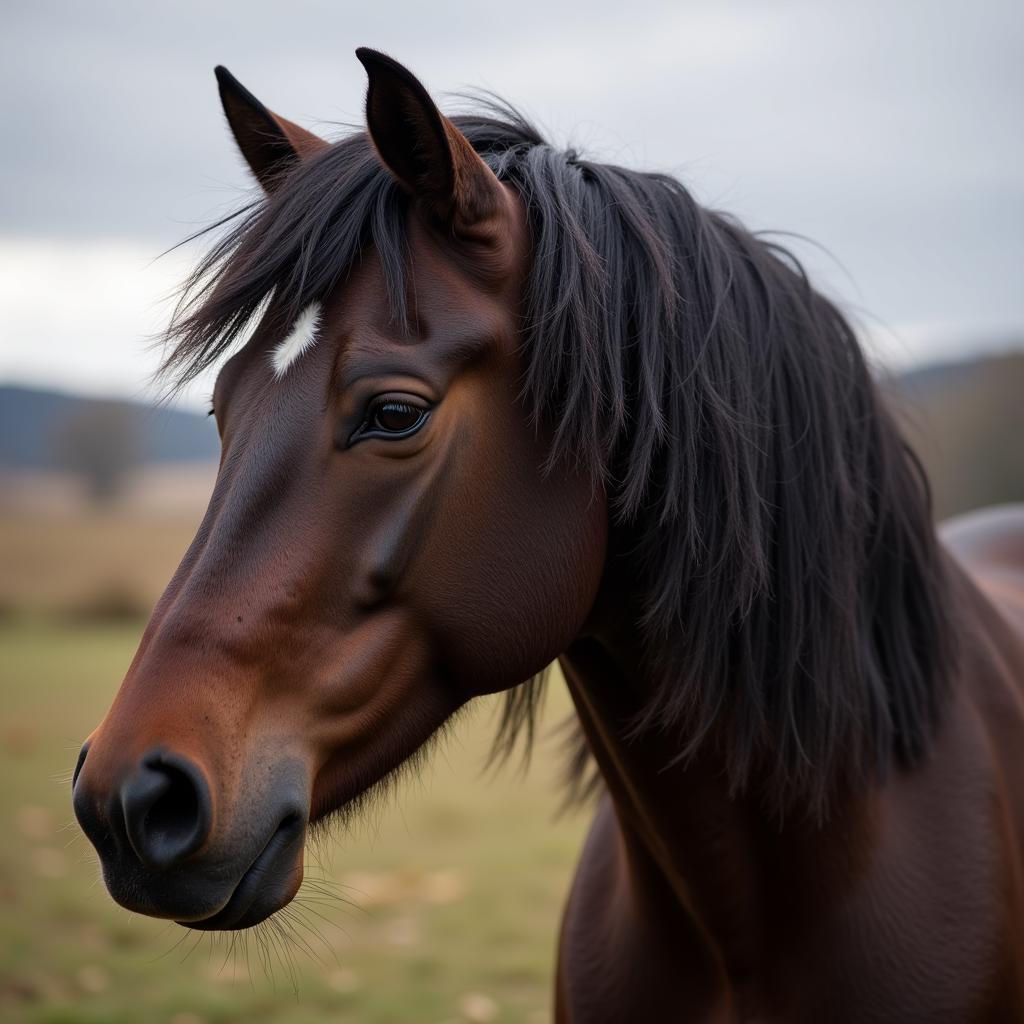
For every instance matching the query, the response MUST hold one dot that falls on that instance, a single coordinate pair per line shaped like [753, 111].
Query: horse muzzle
[153, 825]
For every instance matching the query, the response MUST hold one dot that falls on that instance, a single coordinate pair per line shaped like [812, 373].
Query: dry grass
[56, 562]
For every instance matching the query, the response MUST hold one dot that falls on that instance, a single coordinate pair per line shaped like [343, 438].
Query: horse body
[502, 405]
[906, 905]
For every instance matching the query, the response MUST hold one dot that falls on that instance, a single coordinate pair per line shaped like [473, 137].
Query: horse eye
[392, 418]
[395, 417]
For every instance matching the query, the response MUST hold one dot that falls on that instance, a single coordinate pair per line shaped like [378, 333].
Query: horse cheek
[521, 583]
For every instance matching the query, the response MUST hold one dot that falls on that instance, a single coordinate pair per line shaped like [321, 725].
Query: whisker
[323, 917]
[285, 941]
[283, 951]
[299, 920]
[181, 938]
[288, 923]
[248, 964]
[194, 947]
[227, 955]
[263, 952]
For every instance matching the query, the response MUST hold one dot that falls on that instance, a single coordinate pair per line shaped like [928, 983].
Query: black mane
[779, 527]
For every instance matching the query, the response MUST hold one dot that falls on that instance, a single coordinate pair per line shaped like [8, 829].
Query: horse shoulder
[933, 930]
[988, 545]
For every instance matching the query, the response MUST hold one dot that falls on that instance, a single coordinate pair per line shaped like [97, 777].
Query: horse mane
[777, 526]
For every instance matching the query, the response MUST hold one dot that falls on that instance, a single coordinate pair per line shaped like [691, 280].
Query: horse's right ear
[270, 144]
[430, 157]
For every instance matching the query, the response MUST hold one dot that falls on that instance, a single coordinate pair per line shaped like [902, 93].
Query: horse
[485, 404]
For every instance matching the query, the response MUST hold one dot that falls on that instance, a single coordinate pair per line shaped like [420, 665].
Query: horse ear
[270, 144]
[429, 156]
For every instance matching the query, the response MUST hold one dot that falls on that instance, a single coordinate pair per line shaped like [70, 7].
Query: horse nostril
[167, 813]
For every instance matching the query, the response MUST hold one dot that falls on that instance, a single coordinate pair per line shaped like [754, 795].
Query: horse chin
[268, 885]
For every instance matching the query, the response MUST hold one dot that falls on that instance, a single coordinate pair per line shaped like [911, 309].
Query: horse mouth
[269, 883]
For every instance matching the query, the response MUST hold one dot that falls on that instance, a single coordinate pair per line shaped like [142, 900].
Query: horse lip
[233, 914]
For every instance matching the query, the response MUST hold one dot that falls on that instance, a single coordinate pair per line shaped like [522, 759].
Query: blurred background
[887, 137]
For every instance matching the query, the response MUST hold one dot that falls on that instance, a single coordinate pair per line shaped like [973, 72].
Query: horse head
[387, 537]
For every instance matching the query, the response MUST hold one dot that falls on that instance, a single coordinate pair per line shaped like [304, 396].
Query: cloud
[888, 133]
[84, 314]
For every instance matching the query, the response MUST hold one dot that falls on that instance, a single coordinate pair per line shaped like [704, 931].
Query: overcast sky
[890, 133]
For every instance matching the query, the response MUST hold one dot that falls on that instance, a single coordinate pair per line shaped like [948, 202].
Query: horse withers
[484, 404]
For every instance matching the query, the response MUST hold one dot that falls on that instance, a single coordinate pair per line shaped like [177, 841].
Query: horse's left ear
[429, 156]
[270, 143]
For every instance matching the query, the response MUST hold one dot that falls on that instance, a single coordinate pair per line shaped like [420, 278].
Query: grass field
[63, 563]
[455, 888]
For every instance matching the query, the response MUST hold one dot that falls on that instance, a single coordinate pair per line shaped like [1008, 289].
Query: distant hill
[32, 421]
[966, 420]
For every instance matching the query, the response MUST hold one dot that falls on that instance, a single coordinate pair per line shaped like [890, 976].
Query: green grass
[458, 884]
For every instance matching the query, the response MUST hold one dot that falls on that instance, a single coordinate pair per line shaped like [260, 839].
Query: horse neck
[735, 872]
